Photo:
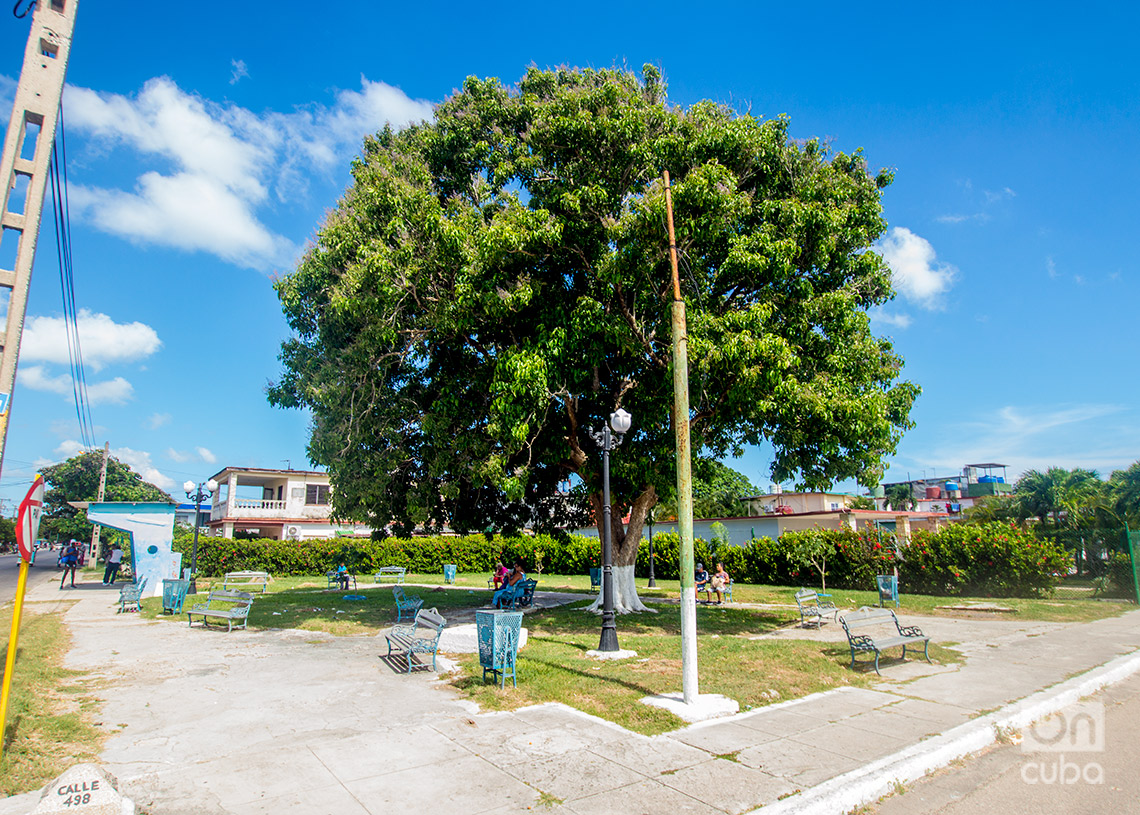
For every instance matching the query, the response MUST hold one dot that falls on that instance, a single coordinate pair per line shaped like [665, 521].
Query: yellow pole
[13, 640]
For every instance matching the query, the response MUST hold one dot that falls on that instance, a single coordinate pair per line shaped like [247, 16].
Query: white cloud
[239, 71]
[114, 391]
[101, 339]
[1040, 437]
[225, 159]
[1051, 268]
[916, 272]
[182, 456]
[993, 197]
[958, 218]
[157, 420]
[897, 320]
[140, 462]
[137, 460]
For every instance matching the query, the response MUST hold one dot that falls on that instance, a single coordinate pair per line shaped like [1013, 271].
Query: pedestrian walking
[114, 560]
[70, 560]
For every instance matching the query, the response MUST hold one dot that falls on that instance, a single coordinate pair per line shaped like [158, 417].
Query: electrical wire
[57, 177]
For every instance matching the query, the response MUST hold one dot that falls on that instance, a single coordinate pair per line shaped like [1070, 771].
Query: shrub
[991, 559]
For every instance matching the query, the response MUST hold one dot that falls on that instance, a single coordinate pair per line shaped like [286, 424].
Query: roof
[987, 466]
[266, 471]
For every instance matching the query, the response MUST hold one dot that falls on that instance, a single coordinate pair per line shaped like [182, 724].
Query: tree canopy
[495, 282]
[77, 479]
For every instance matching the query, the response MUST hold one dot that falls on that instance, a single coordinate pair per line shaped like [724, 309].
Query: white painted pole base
[689, 690]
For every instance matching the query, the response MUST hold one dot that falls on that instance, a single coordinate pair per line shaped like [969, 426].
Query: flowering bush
[990, 560]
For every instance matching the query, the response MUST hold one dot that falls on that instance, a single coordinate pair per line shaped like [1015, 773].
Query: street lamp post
[619, 423]
[197, 493]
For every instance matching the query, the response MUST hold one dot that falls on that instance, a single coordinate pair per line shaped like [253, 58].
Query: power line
[62, 220]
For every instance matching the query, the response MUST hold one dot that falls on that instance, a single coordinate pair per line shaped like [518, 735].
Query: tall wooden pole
[689, 689]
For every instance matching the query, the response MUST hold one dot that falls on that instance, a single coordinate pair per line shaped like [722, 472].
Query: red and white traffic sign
[28, 521]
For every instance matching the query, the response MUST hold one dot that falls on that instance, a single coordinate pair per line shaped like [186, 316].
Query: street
[10, 569]
[1007, 778]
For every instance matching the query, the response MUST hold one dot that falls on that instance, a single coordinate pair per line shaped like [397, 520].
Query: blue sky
[206, 143]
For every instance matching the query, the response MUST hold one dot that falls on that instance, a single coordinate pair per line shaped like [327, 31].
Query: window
[316, 493]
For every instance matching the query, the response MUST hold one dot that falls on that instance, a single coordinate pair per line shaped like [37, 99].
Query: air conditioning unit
[293, 532]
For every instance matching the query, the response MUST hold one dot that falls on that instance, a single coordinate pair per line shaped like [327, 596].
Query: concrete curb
[872, 781]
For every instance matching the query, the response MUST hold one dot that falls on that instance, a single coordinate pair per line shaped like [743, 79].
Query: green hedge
[992, 559]
[961, 559]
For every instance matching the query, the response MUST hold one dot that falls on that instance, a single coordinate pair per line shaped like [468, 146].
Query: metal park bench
[421, 636]
[131, 595]
[404, 604]
[813, 609]
[246, 581]
[875, 643]
[231, 606]
[335, 580]
[392, 571]
[523, 595]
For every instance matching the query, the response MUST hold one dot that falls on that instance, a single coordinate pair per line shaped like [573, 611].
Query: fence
[1102, 564]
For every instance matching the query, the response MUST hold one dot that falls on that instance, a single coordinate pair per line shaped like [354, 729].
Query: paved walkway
[297, 722]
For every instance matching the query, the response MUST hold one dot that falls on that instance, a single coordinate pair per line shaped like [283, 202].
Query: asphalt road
[1010, 779]
[9, 572]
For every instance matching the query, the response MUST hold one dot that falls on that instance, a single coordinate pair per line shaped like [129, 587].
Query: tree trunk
[625, 542]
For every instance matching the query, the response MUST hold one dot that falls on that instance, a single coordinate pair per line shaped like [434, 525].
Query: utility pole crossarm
[24, 169]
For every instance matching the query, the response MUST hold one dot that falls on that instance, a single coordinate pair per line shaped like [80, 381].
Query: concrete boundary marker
[872, 781]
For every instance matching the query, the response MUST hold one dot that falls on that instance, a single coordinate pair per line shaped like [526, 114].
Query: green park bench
[421, 636]
[814, 609]
[231, 606]
[895, 634]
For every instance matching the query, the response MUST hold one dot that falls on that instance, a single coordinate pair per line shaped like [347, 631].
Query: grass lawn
[303, 603]
[554, 665]
[49, 724]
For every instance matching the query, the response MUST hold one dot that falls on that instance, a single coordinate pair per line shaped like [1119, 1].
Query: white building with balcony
[278, 504]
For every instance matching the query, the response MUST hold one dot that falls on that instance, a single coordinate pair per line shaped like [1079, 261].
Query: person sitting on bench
[510, 585]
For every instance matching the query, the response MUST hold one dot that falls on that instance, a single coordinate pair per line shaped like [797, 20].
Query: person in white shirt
[114, 560]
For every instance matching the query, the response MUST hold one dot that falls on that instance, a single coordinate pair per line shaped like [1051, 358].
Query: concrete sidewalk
[292, 721]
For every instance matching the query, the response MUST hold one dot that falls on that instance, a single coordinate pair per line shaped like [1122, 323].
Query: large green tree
[495, 282]
[718, 491]
[77, 479]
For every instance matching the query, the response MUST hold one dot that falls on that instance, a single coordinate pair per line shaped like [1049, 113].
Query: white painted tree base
[626, 600]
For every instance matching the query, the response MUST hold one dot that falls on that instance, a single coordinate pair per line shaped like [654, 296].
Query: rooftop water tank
[933, 492]
[951, 486]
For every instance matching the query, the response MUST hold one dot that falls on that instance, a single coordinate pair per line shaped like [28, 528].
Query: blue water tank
[987, 479]
[951, 485]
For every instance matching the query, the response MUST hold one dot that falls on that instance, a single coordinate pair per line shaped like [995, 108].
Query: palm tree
[1057, 493]
[899, 497]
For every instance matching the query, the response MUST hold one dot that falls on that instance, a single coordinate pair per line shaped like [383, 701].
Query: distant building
[277, 504]
[953, 494]
[187, 511]
[770, 516]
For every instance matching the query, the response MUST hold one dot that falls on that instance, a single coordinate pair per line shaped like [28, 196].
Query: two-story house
[279, 504]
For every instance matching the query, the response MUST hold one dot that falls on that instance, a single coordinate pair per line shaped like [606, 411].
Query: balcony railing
[254, 503]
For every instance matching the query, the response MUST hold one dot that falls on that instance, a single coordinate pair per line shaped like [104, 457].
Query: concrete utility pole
[24, 169]
[102, 492]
